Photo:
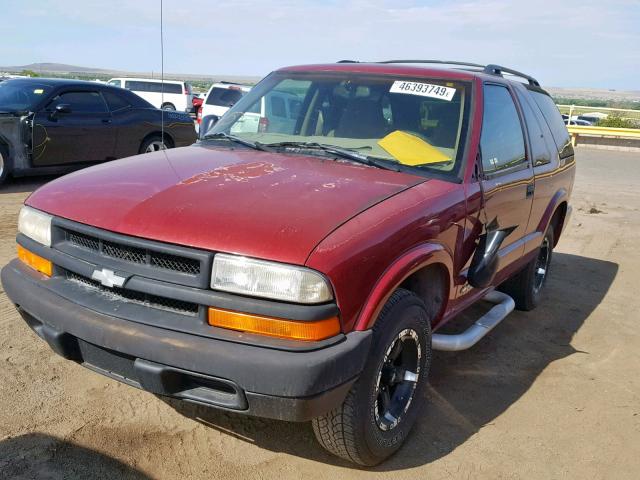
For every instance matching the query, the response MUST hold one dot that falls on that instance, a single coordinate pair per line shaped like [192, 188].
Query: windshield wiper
[340, 152]
[233, 138]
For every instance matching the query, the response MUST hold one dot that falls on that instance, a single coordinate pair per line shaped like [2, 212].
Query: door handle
[106, 120]
[531, 187]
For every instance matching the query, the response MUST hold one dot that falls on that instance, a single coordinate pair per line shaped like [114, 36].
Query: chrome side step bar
[504, 305]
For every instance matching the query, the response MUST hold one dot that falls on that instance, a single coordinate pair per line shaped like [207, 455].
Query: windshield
[17, 96]
[417, 123]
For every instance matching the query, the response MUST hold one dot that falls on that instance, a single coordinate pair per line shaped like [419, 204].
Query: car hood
[259, 204]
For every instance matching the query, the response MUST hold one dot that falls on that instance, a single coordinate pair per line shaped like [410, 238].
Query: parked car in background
[177, 95]
[582, 123]
[222, 96]
[197, 102]
[55, 125]
[593, 118]
[304, 271]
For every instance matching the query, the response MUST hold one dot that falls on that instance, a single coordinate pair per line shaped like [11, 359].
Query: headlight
[259, 278]
[35, 225]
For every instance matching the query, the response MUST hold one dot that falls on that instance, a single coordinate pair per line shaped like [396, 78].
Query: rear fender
[410, 262]
[559, 197]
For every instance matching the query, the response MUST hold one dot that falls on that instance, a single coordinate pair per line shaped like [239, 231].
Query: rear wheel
[5, 164]
[168, 106]
[526, 286]
[154, 144]
[381, 407]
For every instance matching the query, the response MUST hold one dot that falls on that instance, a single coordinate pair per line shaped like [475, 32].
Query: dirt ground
[553, 393]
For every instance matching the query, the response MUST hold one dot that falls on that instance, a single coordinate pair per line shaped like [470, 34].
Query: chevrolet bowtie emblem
[108, 278]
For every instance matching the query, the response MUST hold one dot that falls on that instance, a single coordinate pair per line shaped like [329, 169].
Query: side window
[134, 85]
[552, 116]
[153, 87]
[278, 108]
[172, 88]
[294, 108]
[537, 138]
[115, 102]
[501, 141]
[80, 102]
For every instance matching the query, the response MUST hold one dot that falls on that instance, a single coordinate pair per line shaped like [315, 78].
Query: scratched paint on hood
[259, 204]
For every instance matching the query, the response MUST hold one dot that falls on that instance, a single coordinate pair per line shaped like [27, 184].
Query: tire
[154, 143]
[526, 286]
[168, 106]
[363, 430]
[5, 164]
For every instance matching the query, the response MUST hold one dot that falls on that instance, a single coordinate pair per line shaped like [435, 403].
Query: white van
[277, 112]
[177, 95]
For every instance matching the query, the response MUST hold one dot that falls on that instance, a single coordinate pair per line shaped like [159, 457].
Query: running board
[504, 305]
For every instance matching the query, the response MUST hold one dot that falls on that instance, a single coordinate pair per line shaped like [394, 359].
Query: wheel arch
[555, 214]
[557, 221]
[157, 133]
[425, 270]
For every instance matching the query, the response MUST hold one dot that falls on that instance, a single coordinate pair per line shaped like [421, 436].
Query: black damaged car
[57, 125]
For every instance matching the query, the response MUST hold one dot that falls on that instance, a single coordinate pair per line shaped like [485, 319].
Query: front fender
[11, 134]
[410, 262]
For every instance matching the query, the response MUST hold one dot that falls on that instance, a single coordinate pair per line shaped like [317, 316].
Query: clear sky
[564, 43]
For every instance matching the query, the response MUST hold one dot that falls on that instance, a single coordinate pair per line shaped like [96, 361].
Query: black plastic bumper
[259, 381]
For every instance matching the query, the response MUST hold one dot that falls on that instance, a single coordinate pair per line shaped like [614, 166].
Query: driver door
[81, 133]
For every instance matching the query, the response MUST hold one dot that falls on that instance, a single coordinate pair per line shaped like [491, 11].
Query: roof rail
[439, 62]
[490, 69]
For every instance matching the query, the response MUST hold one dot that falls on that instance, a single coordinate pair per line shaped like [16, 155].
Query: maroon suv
[294, 263]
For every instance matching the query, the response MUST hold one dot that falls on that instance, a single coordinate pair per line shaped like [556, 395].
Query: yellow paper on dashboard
[411, 150]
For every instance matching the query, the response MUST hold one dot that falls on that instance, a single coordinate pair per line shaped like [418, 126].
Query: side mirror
[485, 262]
[61, 109]
[206, 123]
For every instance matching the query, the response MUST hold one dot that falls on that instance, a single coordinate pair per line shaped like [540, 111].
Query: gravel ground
[553, 393]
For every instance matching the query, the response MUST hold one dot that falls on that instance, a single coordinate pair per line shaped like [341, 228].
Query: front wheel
[381, 407]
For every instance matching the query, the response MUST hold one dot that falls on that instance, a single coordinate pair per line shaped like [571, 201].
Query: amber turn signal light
[35, 261]
[274, 327]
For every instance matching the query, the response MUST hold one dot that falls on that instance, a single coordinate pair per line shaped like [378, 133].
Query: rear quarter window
[115, 102]
[552, 115]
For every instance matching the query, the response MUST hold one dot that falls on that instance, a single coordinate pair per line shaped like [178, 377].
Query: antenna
[161, 80]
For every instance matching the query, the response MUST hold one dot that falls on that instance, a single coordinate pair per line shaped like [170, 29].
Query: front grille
[84, 241]
[139, 298]
[127, 253]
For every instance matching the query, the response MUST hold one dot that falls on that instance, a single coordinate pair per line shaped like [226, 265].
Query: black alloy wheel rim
[542, 265]
[397, 379]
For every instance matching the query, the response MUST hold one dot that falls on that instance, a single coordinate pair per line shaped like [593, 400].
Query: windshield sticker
[38, 91]
[423, 89]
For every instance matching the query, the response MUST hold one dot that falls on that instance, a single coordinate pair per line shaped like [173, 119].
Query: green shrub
[616, 121]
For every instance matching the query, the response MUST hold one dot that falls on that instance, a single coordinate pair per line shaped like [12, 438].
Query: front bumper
[256, 380]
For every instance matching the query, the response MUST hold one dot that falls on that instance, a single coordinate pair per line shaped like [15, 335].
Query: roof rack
[490, 69]
[440, 62]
